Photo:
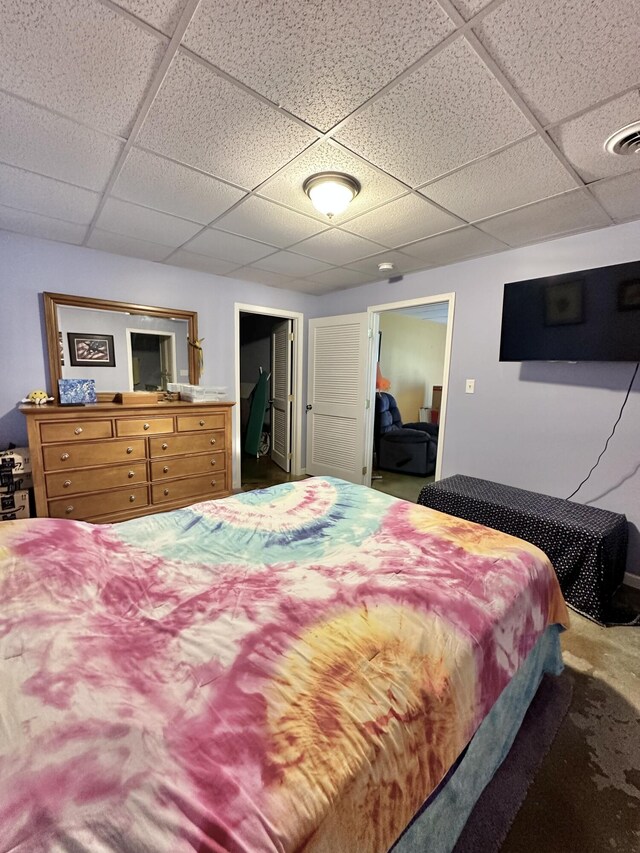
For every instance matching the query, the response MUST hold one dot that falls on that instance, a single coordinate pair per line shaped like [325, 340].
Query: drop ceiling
[181, 131]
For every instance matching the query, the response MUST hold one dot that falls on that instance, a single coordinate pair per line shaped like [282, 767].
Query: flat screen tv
[589, 315]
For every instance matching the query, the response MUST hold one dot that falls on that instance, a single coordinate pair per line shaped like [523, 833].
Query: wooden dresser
[110, 462]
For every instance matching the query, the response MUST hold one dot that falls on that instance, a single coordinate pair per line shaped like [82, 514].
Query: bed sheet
[289, 669]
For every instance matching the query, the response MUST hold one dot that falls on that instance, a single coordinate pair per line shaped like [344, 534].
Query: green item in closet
[257, 413]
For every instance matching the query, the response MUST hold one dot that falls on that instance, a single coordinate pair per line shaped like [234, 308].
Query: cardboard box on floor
[18, 460]
[14, 505]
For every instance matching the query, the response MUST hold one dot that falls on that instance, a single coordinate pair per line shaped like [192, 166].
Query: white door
[339, 359]
[281, 398]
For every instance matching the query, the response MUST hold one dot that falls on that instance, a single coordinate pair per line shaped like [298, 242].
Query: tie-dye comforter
[290, 669]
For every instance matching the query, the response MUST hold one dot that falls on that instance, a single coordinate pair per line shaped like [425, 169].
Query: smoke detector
[385, 266]
[625, 141]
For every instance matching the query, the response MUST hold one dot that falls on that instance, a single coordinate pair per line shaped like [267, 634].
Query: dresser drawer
[75, 430]
[104, 503]
[165, 469]
[143, 426]
[195, 423]
[173, 445]
[200, 488]
[92, 479]
[65, 457]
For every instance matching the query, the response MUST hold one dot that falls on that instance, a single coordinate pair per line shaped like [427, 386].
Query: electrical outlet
[470, 386]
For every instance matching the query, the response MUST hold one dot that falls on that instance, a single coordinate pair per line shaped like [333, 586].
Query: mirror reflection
[122, 351]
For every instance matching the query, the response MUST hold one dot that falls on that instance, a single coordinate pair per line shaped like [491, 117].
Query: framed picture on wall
[629, 295]
[92, 349]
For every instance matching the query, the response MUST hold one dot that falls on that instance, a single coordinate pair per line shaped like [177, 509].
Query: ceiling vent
[625, 141]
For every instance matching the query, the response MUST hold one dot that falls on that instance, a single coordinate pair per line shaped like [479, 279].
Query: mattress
[290, 669]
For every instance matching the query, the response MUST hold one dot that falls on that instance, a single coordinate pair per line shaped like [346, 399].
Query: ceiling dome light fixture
[331, 192]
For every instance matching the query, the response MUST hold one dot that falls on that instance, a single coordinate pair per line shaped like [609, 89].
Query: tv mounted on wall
[588, 315]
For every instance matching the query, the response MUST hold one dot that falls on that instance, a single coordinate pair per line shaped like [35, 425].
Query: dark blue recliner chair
[406, 448]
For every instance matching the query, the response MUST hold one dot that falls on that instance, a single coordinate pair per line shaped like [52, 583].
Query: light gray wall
[29, 266]
[535, 425]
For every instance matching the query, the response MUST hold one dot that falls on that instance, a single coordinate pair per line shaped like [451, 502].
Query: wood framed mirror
[123, 346]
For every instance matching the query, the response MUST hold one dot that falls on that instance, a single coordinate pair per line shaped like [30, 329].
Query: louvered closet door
[281, 394]
[337, 387]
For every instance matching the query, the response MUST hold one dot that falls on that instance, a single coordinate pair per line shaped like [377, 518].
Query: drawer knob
[213, 482]
[145, 426]
[201, 423]
[132, 498]
[166, 492]
[165, 470]
[64, 457]
[69, 509]
[213, 461]
[131, 474]
[66, 484]
[78, 430]
[165, 445]
[213, 441]
[129, 449]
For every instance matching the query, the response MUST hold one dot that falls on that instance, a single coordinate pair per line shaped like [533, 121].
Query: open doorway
[267, 434]
[413, 350]
[152, 359]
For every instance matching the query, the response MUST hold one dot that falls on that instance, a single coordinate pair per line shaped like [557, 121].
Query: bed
[293, 669]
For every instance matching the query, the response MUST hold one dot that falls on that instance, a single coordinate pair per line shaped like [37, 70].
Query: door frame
[374, 312]
[159, 334]
[297, 468]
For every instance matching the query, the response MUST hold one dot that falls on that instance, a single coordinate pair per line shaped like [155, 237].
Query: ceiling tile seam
[147, 102]
[3, 203]
[582, 190]
[488, 156]
[294, 249]
[38, 237]
[224, 75]
[129, 237]
[58, 114]
[191, 168]
[405, 246]
[157, 210]
[593, 107]
[558, 235]
[524, 108]
[49, 178]
[133, 19]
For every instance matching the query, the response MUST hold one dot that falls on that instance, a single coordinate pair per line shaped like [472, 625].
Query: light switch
[470, 386]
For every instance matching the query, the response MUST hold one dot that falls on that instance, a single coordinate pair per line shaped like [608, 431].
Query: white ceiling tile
[35, 225]
[120, 217]
[161, 14]
[269, 222]
[228, 247]
[401, 264]
[563, 55]
[469, 8]
[523, 173]
[573, 211]
[375, 187]
[271, 279]
[317, 60]
[80, 58]
[620, 196]
[582, 139]
[28, 191]
[173, 188]
[120, 244]
[402, 221]
[34, 138]
[337, 247]
[313, 288]
[202, 263]
[340, 277]
[454, 246]
[429, 124]
[203, 120]
[288, 263]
